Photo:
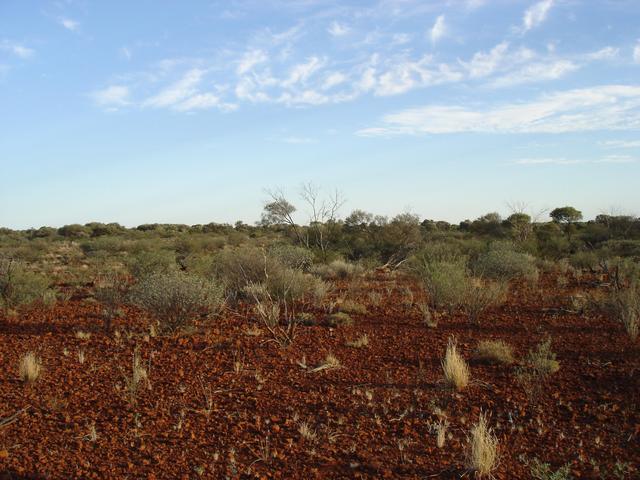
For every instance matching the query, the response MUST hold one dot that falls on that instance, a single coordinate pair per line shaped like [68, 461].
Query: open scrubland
[359, 348]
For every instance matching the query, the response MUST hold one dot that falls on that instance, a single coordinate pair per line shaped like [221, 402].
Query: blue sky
[147, 111]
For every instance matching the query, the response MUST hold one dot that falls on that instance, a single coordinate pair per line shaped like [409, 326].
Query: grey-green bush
[501, 262]
[146, 262]
[18, 286]
[176, 298]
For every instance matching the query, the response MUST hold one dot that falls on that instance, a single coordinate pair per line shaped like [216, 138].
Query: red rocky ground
[224, 404]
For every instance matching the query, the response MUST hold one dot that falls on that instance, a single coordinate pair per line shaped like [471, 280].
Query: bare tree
[322, 212]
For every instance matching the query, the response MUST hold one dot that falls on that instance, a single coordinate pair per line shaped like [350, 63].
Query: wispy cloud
[126, 53]
[438, 30]
[250, 59]
[606, 53]
[609, 107]
[636, 52]
[16, 49]
[69, 24]
[536, 72]
[337, 29]
[536, 14]
[112, 96]
[621, 144]
[204, 101]
[619, 159]
[179, 91]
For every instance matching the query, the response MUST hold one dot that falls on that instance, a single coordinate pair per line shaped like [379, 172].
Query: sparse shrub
[175, 298]
[239, 267]
[481, 295]
[30, 368]
[292, 256]
[429, 319]
[340, 319]
[482, 454]
[445, 282]
[360, 342]
[148, 262]
[542, 359]
[625, 304]
[501, 262]
[538, 365]
[337, 269]
[495, 351]
[139, 375]
[19, 286]
[456, 371]
[111, 292]
[543, 471]
[351, 307]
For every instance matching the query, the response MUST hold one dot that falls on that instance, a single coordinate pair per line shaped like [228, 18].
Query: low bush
[18, 286]
[340, 319]
[502, 262]
[625, 304]
[481, 295]
[148, 262]
[445, 281]
[176, 298]
[337, 270]
[349, 306]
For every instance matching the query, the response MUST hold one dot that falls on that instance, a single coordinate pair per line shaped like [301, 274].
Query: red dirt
[382, 395]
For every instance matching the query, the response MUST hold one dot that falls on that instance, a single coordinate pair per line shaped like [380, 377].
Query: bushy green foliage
[292, 256]
[146, 262]
[446, 282]
[502, 262]
[18, 286]
[174, 299]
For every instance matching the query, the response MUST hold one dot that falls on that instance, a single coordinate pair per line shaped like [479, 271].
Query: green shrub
[176, 298]
[147, 262]
[481, 295]
[337, 269]
[501, 262]
[239, 267]
[292, 256]
[446, 282]
[625, 304]
[340, 319]
[19, 286]
[349, 306]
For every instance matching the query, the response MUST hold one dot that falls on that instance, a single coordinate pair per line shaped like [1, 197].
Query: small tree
[566, 215]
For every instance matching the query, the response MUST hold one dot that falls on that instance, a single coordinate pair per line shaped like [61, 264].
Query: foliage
[19, 286]
[176, 298]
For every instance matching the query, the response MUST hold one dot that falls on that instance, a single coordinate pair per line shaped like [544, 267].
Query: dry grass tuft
[456, 371]
[361, 342]
[30, 368]
[330, 362]
[307, 432]
[495, 351]
[482, 455]
[80, 335]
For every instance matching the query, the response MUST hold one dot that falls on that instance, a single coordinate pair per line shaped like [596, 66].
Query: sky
[145, 111]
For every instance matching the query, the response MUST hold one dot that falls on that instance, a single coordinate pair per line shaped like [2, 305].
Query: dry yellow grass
[482, 454]
[456, 371]
[495, 351]
[30, 368]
